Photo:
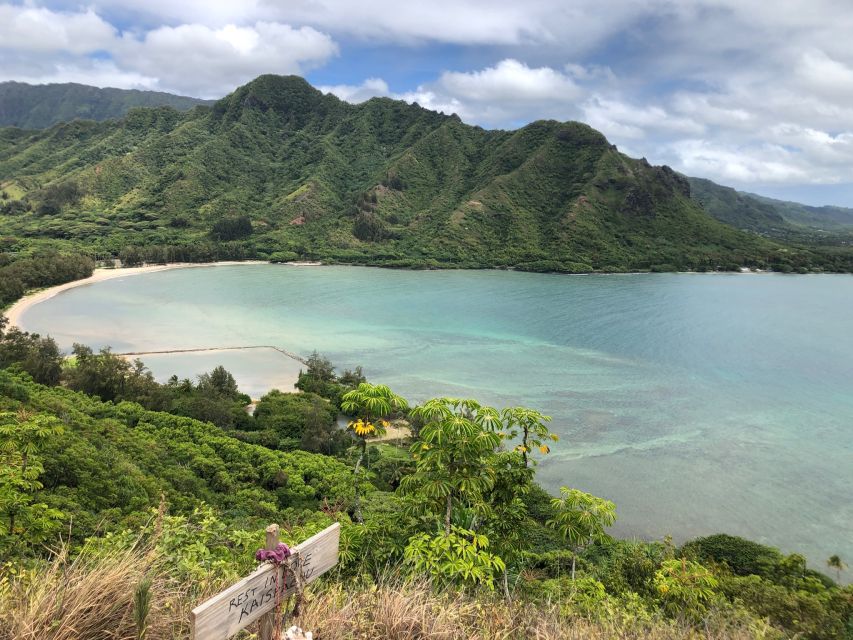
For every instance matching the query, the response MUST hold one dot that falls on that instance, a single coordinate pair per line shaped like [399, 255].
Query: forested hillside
[277, 170]
[827, 217]
[737, 209]
[773, 218]
[30, 106]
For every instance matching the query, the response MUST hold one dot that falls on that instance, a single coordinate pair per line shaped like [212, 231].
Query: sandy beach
[13, 314]
[284, 380]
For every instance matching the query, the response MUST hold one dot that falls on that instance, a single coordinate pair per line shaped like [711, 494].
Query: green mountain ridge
[826, 217]
[30, 106]
[764, 215]
[734, 208]
[279, 170]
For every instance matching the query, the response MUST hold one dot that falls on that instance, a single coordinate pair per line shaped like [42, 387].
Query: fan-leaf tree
[22, 435]
[370, 405]
[453, 457]
[835, 562]
[504, 511]
[581, 519]
[530, 426]
[460, 555]
[685, 587]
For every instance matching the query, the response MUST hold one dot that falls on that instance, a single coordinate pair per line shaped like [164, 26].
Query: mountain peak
[287, 95]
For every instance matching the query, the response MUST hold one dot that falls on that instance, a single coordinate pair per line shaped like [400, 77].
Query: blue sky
[755, 95]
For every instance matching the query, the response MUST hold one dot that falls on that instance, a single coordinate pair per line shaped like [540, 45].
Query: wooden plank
[266, 624]
[244, 602]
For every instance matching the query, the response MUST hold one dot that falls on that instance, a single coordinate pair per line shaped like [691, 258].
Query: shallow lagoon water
[698, 403]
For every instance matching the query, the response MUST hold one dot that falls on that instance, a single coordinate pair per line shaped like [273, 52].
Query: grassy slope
[38, 106]
[311, 170]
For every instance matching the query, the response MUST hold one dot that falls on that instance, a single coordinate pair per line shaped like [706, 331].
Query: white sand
[14, 313]
[285, 382]
[394, 432]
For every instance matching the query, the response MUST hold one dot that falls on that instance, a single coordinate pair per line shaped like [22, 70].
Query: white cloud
[503, 95]
[822, 75]
[624, 120]
[38, 30]
[510, 81]
[745, 165]
[100, 73]
[41, 45]
[211, 13]
[471, 22]
[506, 94]
[355, 93]
[210, 62]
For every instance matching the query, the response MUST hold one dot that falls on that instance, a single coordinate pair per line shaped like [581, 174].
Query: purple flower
[275, 556]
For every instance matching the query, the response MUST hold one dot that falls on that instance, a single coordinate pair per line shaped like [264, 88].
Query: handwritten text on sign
[241, 604]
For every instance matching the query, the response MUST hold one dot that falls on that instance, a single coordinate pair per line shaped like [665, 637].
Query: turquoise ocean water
[698, 403]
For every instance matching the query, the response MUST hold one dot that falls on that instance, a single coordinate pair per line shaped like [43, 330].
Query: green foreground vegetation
[445, 534]
[279, 171]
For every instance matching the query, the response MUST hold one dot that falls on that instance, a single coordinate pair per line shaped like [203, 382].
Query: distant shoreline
[13, 314]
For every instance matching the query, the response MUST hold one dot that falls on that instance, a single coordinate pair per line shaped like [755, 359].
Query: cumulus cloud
[471, 22]
[38, 30]
[510, 81]
[355, 93]
[211, 62]
[821, 75]
[624, 120]
[41, 45]
[504, 95]
[100, 73]
[746, 164]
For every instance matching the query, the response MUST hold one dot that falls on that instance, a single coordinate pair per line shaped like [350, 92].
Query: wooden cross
[254, 597]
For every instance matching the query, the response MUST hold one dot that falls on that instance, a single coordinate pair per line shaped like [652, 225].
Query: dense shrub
[742, 556]
[232, 228]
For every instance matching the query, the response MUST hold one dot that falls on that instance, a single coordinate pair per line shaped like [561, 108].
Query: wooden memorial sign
[243, 603]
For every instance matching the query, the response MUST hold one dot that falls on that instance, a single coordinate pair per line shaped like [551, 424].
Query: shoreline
[101, 274]
[19, 307]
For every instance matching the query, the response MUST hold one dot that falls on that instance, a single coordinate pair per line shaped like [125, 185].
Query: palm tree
[835, 562]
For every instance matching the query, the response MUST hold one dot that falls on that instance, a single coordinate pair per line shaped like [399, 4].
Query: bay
[698, 403]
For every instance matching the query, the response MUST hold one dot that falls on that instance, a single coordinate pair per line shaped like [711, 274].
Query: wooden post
[247, 601]
[266, 625]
